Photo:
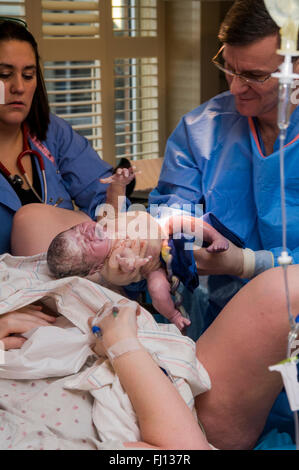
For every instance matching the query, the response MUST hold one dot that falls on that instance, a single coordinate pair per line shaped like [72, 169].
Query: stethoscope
[16, 180]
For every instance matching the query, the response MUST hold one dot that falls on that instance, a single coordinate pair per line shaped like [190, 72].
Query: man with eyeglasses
[225, 155]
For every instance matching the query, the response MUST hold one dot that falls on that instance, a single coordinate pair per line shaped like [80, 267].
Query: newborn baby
[133, 248]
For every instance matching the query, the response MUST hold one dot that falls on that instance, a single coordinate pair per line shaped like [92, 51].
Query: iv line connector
[284, 259]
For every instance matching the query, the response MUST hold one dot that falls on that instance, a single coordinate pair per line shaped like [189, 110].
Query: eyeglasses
[246, 77]
[13, 20]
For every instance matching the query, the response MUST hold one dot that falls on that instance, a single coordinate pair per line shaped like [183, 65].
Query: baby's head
[78, 251]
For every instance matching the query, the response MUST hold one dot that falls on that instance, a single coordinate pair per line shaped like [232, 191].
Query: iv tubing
[293, 332]
[284, 236]
[282, 190]
[286, 15]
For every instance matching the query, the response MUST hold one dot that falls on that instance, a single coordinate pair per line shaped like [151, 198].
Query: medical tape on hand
[249, 264]
[122, 347]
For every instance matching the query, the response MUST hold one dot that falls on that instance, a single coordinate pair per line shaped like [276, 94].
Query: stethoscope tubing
[43, 201]
[29, 152]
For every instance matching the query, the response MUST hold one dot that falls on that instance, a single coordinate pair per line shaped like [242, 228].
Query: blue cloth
[183, 263]
[73, 176]
[213, 158]
[135, 288]
[275, 440]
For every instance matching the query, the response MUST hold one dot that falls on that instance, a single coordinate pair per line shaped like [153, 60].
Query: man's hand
[230, 261]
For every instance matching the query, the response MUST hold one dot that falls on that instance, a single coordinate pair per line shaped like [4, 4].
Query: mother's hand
[20, 321]
[115, 328]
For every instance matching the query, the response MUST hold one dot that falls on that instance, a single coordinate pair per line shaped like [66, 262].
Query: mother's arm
[17, 322]
[164, 419]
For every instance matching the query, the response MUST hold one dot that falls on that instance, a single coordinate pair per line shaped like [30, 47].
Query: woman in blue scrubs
[72, 167]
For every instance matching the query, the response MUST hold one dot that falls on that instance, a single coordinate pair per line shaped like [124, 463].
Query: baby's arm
[117, 185]
[159, 290]
[195, 226]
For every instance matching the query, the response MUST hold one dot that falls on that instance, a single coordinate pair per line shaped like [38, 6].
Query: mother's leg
[249, 335]
[35, 226]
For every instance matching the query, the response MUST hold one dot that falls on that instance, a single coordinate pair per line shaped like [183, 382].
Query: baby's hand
[180, 321]
[130, 263]
[120, 275]
[122, 177]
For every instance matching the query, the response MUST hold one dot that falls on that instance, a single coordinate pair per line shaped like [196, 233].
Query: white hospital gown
[54, 392]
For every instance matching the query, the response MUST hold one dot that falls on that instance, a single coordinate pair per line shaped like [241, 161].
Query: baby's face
[92, 241]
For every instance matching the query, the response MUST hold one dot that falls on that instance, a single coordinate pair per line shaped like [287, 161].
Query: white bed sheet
[54, 392]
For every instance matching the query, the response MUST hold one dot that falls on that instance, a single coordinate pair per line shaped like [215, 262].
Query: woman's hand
[20, 321]
[115, 328]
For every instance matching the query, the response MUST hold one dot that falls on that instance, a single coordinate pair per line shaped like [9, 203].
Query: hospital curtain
[104, 69]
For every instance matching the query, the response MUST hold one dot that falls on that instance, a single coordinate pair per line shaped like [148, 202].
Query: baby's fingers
[142, 261]
[135, 246]
[123, 172]
[126, 264]
[106, 180]
[143, 248]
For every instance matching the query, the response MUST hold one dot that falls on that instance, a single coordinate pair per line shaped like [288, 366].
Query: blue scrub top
[72, 169]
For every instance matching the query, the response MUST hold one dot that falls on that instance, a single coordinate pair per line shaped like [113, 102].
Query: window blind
[136, 108]
[100, 61]
[134, 17]
[70, 18]
[15, 8]
[74, 90]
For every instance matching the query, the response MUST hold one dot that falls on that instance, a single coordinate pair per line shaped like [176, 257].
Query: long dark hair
[39, 115]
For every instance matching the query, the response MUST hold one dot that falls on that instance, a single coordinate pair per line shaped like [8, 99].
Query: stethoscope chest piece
[16, 181]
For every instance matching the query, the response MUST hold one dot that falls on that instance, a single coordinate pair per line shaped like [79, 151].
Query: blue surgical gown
[72, 169]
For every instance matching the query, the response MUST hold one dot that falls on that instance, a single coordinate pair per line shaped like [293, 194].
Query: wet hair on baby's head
[65, 257]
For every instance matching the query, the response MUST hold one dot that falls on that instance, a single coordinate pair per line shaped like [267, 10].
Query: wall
[191, 29]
